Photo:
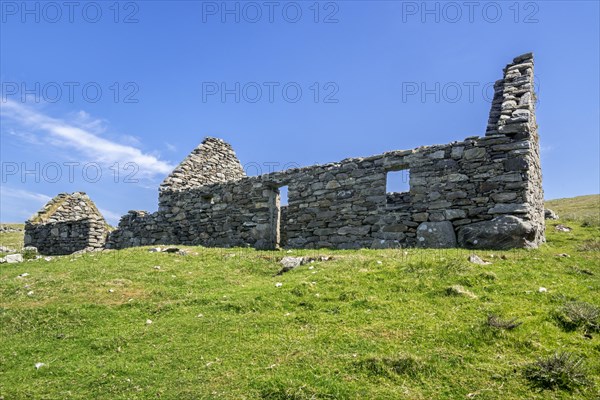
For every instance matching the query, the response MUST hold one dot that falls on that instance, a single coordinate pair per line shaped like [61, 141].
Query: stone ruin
[66, 224]
[484, 192]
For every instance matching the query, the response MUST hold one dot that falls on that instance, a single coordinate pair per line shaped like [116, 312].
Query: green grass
[370, 324]
[581, 209]
[13, 240]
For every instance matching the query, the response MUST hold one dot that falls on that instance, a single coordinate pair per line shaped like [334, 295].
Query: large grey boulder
[549, 214]
[11, 259]
[436, 235]
[501, 233]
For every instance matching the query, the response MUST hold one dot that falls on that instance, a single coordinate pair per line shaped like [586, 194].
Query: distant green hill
[581, 208]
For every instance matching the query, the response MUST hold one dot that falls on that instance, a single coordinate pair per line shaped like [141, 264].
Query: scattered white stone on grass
[562, 228]
[379, 262]
[289, 263]
[157, 267]
[30, 293]
[565, 255]
[111, 290]
[11, 259]
[39, 365]
[542, 290]
[458, 290]
[475, 259]
[155, 250]
[278, 284]
[48, 258]
[23, 275]
[148, 321]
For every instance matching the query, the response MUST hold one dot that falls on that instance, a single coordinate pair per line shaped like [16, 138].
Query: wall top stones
[68, 207]
[213, 161]
[512, 111]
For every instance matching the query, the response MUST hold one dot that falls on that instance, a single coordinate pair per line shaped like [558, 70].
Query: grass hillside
[582, 208]
[12, 240]
[368, 324]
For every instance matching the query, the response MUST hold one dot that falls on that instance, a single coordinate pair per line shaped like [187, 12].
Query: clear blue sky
[366, 58]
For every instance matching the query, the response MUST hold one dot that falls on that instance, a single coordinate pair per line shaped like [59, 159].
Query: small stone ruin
[67, 223]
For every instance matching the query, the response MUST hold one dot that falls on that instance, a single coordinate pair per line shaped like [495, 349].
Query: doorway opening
[278, 206]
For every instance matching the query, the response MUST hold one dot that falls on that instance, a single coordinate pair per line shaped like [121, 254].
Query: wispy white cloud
[23, 194]
[82, 135]
[170, 147]
[17, 205]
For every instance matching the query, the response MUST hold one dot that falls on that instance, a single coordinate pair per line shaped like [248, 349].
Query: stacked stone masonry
[68, 223]
[481, 192]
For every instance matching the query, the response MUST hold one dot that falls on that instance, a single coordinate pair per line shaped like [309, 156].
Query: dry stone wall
[66, 224]
[214, 161]
[482, 192]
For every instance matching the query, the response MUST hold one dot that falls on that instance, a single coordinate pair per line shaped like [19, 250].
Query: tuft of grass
[488, 276]
[590, 221]
[458, 290]
[561, 370]
[579, 314]
[589, 245]
[495, 321]
[29, 254]
[390, 367]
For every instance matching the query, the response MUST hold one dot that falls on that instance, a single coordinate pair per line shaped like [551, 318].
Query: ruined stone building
[481, 192]
[66, 224]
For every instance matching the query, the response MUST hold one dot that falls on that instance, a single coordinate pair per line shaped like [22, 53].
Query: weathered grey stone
[454, 214]
[11, 259]
[549, 214]
[503, 196]
[510, 208]
[421, 217]
[475, 259]
[436, 235]
[501, 233]
[474, 153]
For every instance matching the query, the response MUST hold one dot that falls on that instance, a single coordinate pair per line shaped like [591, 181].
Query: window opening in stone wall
[283, 196]
[398, 181]
[398, 190]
